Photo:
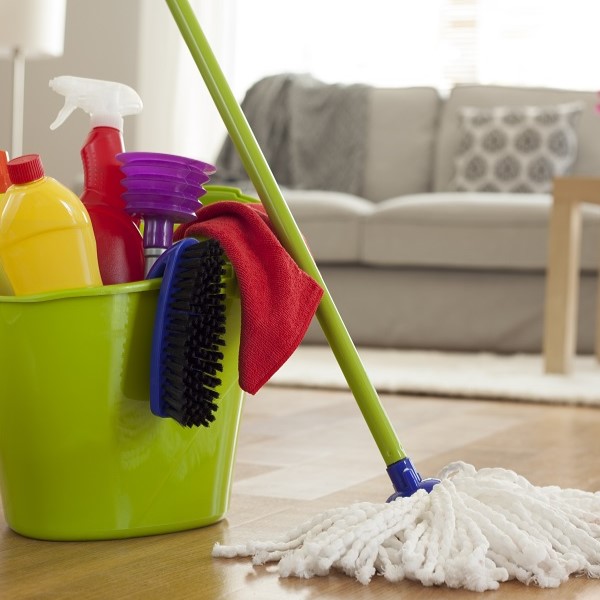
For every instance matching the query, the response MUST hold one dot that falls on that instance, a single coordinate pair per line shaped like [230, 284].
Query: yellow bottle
[5, 287]
[46, 237]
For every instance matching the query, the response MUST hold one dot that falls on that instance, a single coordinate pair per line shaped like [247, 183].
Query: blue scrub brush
[189, 330]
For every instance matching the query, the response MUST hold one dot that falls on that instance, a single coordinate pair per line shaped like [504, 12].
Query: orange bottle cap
[4, 177]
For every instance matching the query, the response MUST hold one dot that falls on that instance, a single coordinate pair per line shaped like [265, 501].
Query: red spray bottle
[118, 239]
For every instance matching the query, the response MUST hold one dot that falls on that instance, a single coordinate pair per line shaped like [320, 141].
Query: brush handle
[287, 230]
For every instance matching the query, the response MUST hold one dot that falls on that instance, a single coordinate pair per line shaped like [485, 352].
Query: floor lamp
[29, 29]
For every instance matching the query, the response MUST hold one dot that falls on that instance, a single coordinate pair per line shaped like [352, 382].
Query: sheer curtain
[381, 42]
[179, 116]
[532, 42]
[336, 40]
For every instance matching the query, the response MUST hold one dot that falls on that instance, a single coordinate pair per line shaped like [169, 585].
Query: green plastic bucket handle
[287, 230]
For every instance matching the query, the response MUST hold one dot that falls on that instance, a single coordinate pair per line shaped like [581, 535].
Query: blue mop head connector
[406, 480]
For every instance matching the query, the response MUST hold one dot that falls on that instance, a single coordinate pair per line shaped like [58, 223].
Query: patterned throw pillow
[515, 149]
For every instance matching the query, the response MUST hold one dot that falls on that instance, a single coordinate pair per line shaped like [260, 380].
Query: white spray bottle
[118, 239]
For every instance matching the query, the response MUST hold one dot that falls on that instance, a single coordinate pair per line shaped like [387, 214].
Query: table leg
[562, 286]
[597, 340]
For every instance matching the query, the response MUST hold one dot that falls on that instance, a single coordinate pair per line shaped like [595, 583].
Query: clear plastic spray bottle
[118, 239]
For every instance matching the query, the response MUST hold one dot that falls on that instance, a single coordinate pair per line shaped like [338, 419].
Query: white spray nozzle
[107, 102]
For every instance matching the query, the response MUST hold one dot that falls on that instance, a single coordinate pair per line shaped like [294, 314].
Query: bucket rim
[104, 290]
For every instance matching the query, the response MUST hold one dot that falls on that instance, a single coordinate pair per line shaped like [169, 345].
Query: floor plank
[301, 452]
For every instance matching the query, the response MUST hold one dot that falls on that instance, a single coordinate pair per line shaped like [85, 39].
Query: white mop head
[474, 530]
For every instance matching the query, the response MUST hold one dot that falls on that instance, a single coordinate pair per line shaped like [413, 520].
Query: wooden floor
[300, 452]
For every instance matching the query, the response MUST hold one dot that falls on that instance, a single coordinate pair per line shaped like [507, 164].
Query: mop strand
[474, 530]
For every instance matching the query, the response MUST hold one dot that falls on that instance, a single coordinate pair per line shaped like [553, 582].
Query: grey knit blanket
[311, 133]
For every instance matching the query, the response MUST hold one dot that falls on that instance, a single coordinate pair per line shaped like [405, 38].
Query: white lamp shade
[35, 27]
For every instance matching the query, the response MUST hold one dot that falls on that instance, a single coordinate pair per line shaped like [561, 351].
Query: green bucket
[81, 455]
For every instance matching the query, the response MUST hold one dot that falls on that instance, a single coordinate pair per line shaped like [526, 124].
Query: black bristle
[194, 333]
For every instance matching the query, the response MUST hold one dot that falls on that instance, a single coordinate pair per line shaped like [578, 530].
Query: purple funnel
[158, 159]
[154, 185]
[174, 172]
[162, 189]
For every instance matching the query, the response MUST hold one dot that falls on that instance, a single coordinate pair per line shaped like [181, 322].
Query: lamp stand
[18, 102]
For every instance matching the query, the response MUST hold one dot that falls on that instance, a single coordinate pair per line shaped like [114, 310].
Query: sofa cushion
[515, 149]
[331, 222]
[400, 141]
[470, 231]
[448, 139]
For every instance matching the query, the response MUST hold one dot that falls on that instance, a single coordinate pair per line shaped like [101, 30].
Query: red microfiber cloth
[278, 299]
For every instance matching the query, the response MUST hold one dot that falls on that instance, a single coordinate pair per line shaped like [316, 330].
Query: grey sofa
[413, 263]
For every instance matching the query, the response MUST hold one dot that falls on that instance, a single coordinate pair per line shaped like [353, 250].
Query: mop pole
[255, 164]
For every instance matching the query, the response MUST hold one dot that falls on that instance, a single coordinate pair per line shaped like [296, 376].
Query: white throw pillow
[515, 149]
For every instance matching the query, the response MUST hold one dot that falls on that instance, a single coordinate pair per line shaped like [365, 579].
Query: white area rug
[486, 376]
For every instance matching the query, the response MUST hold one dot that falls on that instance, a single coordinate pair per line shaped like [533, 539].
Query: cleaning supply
[188, 334]
[46, 237]
[475, 530]
[4, 176]
[469, 529]
[278, 299]
[287, 231]
[119, 241]
[218, 193]
[162, 189]
[81, 455]
[5, 287]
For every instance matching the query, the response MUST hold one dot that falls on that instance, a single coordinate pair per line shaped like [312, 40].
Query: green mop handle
[287, 230]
